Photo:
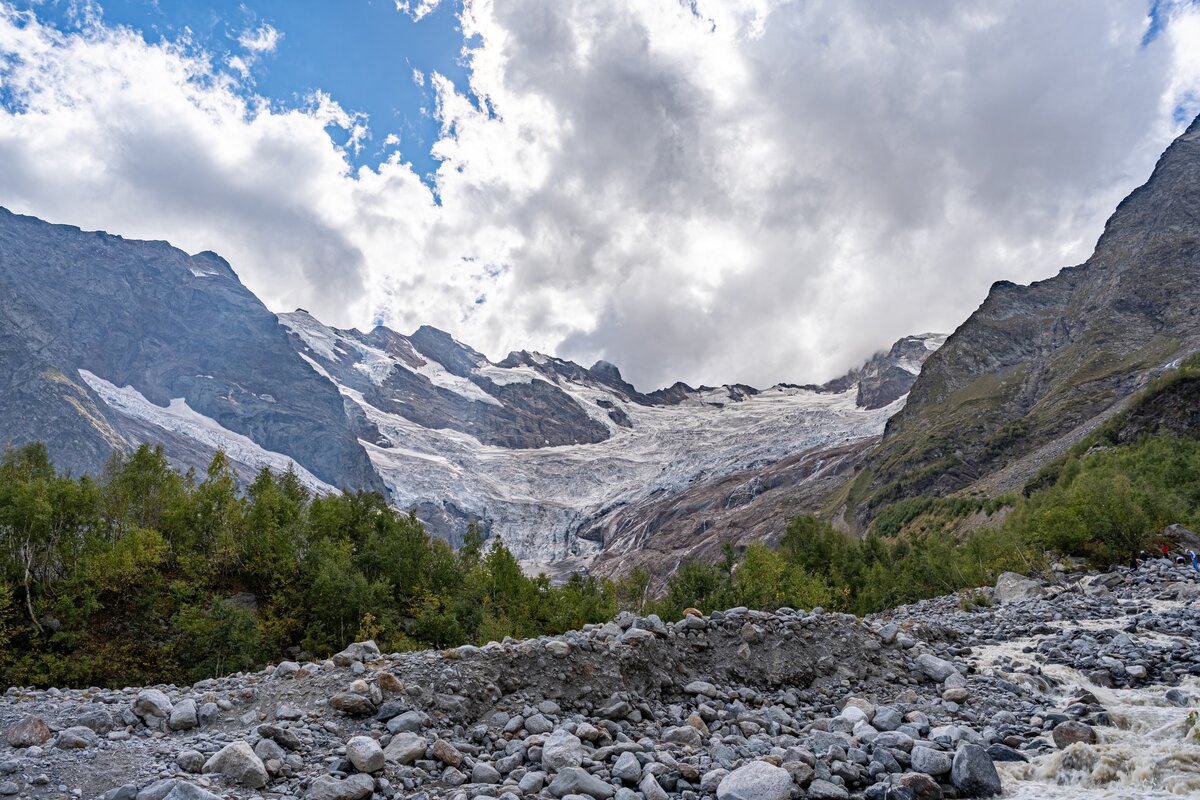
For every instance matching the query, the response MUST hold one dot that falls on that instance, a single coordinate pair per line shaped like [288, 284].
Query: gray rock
[758, 780]
[184, 715]
[1014, 588]
[152, 703]
[973, 773]
[77, 738]
[237, 763]
[365, 754]
[191, 761]
[405, 748]
[483, 772]
[562, 749]
[1068, 733]
[189, 791]
[327, 787]
[628, 769]
[352, 704]
[937, 669]
[930, 761]
[651, 789]
[824, 790]
[576, 780]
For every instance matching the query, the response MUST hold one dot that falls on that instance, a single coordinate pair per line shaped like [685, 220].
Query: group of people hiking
[1165, 551]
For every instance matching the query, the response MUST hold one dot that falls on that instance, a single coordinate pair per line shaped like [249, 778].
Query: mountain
[106, 343]
[1037, 367]
[558, 459]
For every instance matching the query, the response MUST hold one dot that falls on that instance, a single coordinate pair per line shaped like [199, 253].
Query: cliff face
[93, 326]
[1037, 363]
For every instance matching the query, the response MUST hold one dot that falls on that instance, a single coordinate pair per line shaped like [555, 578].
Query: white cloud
[418, 9]
[749, 190]
[261, 40]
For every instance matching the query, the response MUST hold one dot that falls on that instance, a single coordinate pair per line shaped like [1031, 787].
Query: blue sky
[361, 52]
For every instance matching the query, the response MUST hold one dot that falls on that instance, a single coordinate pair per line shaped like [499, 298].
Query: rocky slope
[1056, 689]
[96, 331]
[1039, 363]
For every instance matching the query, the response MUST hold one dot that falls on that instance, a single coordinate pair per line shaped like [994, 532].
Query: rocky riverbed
[1077, 687]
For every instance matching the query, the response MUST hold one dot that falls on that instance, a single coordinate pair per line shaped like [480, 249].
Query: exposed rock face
[887, 377]
[92, 324]
[1038, 363]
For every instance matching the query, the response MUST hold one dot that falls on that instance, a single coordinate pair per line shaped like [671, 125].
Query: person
[1195, 560]
[1166, 550]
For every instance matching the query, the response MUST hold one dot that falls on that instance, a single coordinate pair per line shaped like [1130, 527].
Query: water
[1152, 750]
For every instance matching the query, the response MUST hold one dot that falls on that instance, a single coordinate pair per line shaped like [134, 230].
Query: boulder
[577, 780]
[327, 787]
[152, 703]
[973, 773]
[352, 704]
[1012, 587]
[359, 651]
[365, 754]
[405, 748]
[935, 668]
[757, 780]
[562, 749]
[77, 738]
[29, 731]
[237, 763]
[930, 761]
[184, 715]
[1068, 733]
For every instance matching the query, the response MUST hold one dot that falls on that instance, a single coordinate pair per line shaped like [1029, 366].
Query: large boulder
[78, 737]
[1012, 587]
[973, 773]
[236, 762]
[29, 731]
[757, 780]
[184, 716]
[1068, 733]
[365, 754]
[359, 651]
[327, 787]
[930, 761]
[562, 749]
[405, 748]
[577, 780]
[152, 703]
[935, 668]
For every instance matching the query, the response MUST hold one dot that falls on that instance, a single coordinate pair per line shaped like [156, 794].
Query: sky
[712, 191]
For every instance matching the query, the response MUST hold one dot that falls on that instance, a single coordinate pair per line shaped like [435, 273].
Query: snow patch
[181, 419]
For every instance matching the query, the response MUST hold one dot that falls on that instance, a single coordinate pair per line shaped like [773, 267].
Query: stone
[558, 648]
[757, 780]
[77, 738]
[628, 769]
[921, 785]
[577, 780]
[1014, 588]
[824, 790]
[98, 719]
[182, 790]
[935, 668]
[365, 754]
[484, 772]
[408, 722]
[930, 761]
[973, 773]
[152, 703]
[562, 749]
[327, 787]
[405, 748]
[352, 704]
[29, 731]
[359, 651]
[184, 715]
[237, 763]
[447, 753]
[190, 761]
[686, 735]
[651, 789]
[1068, 733]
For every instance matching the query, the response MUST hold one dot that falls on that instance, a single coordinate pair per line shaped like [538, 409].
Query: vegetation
[146, 575]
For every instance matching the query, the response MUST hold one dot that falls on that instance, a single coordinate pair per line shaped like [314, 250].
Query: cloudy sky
[699, 190]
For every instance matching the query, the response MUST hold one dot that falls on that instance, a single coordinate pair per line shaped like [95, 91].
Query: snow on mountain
[615, 446]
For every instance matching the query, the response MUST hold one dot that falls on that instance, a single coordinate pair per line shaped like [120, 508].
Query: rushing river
[1152, 749]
